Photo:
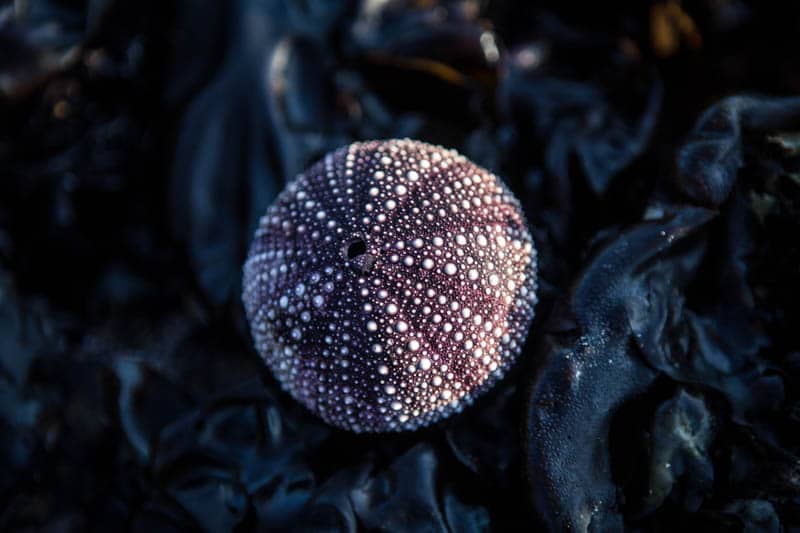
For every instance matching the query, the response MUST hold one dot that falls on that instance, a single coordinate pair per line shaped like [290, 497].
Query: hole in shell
[355, 247]
[354, 251]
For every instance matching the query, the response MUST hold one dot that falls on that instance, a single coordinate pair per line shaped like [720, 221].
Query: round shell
[390, 284]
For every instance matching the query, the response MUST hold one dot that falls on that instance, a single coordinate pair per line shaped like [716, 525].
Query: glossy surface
[390, 284]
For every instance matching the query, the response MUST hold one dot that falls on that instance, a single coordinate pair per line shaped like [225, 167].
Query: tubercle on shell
[390, 284]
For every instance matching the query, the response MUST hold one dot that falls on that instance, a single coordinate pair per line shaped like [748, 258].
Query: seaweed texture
[655, 150]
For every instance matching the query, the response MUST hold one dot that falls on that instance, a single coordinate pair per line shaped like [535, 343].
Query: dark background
[654, 147]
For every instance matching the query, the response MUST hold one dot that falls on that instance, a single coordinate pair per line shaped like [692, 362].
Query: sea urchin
[390, 284]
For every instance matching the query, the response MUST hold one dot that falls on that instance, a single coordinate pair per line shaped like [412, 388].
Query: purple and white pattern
[390, 284]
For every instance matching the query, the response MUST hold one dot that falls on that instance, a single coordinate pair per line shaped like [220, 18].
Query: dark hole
[355, 248]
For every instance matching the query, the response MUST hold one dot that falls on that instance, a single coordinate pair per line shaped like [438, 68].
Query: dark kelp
[140, 142]
[688, 319]
[593, 367]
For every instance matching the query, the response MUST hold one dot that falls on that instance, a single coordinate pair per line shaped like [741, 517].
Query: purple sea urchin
[390, 284]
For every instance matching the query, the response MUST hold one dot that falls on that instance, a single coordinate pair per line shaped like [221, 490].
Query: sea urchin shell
[390, 284]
